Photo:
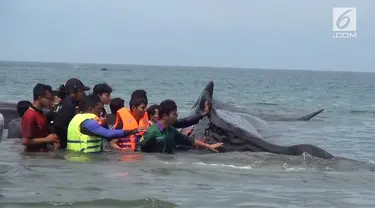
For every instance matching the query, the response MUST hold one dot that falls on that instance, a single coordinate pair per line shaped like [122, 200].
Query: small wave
[261, 103]
[247, 167]
[362, 112]
[94, 203]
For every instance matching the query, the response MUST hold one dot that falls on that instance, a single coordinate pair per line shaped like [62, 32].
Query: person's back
[15, 125]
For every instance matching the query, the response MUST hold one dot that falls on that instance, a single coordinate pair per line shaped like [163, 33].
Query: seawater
[344, 129]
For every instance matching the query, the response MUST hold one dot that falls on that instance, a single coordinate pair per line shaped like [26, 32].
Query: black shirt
[104, 115]
[63, 114]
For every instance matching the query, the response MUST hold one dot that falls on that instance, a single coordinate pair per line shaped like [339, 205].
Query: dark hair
[139, 93]
[63, 91]
[40, 90]
[166, 107]
[102, 88]
[66, 91]
[116, 104]
[137, 101]
[22, 107]
[60, 92]
[90, 101]
[49, 88]
[151, 110]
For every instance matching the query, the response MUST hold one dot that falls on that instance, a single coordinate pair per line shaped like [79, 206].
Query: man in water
[85, 134]
[68, 107]
[163, 137]
[104, 91]
[153, 115]
[34, 123]
[133, 118]
[114, 105]
[14, 128]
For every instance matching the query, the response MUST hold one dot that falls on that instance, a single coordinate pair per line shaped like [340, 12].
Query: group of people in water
[78, 122]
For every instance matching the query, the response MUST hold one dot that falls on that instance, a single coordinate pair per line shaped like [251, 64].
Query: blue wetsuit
[92, 128]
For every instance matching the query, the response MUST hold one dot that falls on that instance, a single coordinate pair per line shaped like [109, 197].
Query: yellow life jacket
[79, 142]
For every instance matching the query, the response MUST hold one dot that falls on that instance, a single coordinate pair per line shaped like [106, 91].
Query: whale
[239, 132]
[268, 116]
[9, 112]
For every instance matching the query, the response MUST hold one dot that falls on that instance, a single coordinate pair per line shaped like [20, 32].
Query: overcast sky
[286, 34]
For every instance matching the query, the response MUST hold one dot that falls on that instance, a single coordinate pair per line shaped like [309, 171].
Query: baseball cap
[76, 83]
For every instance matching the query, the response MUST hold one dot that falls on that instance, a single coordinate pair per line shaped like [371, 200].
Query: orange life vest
[129, 123]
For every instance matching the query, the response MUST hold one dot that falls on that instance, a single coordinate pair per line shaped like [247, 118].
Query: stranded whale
[240, 133]
[9, 112]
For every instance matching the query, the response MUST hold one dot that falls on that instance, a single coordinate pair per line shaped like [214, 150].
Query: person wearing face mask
[68, 107]
[129, 119]
[85, 134]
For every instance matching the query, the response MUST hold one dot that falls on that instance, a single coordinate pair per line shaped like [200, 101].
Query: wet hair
[90, 101]
[55, 93]
[40, 90]
[151, 110]
[116, 104]
[62, 92]
[102, 88]
[66, 91]
[49, 88]
[166, 107]
[137, 101]
[139, 93]
[22, 107]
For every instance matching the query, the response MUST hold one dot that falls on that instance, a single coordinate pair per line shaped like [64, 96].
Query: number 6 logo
[342, 18]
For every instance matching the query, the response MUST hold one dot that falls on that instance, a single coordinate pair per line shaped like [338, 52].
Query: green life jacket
[79, 142]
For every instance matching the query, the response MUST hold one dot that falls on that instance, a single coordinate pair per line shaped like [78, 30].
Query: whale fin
[311, 115]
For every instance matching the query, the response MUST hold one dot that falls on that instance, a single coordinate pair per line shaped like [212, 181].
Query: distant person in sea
[35, 136]
[14, 128]
[114, 105]
[163, 137]
[104, 91]
[85, 134]
[65, 111]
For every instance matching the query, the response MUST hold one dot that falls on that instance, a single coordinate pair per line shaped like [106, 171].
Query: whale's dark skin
[9, 111]
[217, 127]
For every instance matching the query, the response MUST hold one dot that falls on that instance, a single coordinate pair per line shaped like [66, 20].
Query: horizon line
[196, 66]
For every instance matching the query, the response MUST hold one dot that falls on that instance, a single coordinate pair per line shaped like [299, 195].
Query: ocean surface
[345, 129]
